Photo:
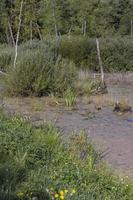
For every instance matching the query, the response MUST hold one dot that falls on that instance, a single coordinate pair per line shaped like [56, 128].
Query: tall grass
[6, 57]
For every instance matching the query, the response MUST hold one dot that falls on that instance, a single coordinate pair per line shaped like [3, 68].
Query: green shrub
[116, 53]
[82, 51]
[38, 72]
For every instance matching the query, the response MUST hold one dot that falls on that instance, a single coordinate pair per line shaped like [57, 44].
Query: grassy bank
[36, 162]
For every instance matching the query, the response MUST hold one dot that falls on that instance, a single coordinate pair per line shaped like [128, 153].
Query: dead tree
[100, 60]
[18, 32]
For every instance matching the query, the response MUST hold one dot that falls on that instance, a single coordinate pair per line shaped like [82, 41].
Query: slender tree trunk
[55, 24]
[18, 32]
[85, 27]
[11, 33]
[99, 59]
[131, 28]
[31, 35]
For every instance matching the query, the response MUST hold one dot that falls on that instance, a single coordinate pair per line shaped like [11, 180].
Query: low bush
[35, 162]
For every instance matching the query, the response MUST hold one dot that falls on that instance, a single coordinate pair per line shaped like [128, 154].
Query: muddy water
[112, 134]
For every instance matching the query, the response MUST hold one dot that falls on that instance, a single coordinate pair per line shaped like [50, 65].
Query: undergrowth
[36, 162]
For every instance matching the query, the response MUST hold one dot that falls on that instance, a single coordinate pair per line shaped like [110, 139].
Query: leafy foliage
[91, 18]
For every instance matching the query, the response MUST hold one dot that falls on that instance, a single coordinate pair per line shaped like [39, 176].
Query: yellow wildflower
[56, 195]
[20, 194]
[66, 191]
[73, 191]
[62, 197]
[61, 193]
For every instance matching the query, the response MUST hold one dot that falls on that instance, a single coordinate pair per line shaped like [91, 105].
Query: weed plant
[69, 98]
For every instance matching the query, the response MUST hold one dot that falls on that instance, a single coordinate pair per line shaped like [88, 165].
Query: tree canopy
[94, 18]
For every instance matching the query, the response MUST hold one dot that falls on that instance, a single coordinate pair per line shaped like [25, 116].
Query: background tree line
[92, 18]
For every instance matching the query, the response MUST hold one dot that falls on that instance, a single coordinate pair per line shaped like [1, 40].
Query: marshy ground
[111, 132]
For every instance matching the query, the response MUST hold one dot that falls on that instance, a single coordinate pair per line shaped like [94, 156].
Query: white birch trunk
[99, 59]
[131, 28]
[18, 32]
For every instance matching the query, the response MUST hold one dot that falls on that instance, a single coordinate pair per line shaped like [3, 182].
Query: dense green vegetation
[35, 162]
[116, 53]
[56, 39]
[93, 18]
[50, 66]
[39, 70]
